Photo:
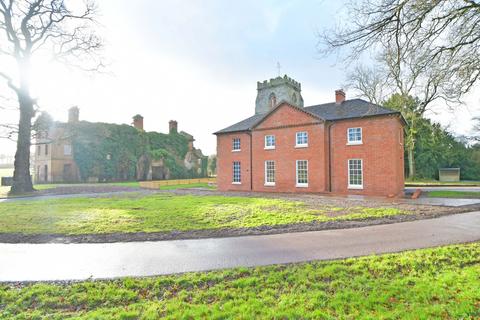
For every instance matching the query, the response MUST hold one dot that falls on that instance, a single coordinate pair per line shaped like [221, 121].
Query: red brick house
[342, 147]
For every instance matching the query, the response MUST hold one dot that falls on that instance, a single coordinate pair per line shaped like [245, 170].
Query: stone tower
[272, 92]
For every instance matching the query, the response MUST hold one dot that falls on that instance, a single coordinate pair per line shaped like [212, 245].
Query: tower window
[273, 101]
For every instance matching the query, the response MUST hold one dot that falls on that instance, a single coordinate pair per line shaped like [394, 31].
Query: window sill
[355, 187]
[236, 183]
[354, 143]
[269, 148]
[236, 150]
[302, 185]
[301, 146]
[269, 184]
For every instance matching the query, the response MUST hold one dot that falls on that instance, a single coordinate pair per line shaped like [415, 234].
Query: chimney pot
[339, 96]
[138, 122]
[73, 115]
[172, 126]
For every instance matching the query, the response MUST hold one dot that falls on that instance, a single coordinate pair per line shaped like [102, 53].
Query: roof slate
[355, 108]
[349, 109]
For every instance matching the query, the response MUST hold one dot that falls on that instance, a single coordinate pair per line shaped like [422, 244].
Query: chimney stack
[73, 115]
[339, 96]
[172, 126]
[138, 122]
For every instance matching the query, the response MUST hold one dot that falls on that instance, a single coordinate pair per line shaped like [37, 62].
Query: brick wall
[226, 157]
[381, 151]
[284, 123]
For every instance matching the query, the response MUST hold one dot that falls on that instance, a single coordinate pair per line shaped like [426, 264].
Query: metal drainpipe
[330, 157]
[251, 164]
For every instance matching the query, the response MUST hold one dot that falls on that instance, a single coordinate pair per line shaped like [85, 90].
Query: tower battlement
[280, 89]
[277, 82]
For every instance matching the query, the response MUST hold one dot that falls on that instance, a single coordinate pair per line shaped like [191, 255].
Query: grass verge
[439, 283]
[454, 194]
[166, 213]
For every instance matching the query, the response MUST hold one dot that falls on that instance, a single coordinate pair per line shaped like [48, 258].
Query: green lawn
[453, 194]
[440, 283]
[165, 212]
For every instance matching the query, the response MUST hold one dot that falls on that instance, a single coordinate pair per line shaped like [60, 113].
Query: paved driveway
[32, 262]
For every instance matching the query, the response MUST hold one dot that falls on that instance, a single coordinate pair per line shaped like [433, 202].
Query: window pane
[354, 134]
[67, 150]
[355, 171]
[236, 171]
[236, 144]
[269, 141]
[302, 138]
[302, 171]
[269, 171]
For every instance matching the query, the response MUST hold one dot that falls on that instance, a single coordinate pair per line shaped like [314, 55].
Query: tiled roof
[355, 108]
[349, 109]
[244, 124]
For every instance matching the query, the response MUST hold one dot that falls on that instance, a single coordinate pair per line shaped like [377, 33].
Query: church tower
[271, 93]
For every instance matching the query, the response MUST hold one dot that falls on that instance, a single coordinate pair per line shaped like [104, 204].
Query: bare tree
[425, 49]
[369, 82]
[438, 35]
[28, 27]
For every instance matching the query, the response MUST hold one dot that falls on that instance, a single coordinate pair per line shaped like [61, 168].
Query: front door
[67, 172]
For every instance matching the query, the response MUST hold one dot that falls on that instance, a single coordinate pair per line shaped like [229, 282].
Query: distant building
[55, 161]
[345, 146]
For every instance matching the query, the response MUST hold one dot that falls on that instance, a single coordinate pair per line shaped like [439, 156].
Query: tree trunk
[411, 163]
[22, 181]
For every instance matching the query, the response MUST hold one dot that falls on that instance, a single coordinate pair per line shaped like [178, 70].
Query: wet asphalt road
[37, 262]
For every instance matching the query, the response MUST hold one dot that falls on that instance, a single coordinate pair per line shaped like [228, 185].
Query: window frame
[355, 186]
[301, 145]
[272, 147]
[234, 176]
[67, 147]
[239, 145]
[269, 183]
[300, 184]
[354, 142]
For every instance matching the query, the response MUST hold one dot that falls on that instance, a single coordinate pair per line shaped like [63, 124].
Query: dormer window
[273, 101]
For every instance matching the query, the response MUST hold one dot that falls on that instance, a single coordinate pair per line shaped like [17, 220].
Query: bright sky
[198, 62]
